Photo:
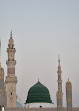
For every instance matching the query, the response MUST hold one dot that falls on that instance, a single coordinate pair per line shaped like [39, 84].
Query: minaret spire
[59, 92]
[59, 75]
[68, 78]
[11, 34]
[38, 79]
[58, 60]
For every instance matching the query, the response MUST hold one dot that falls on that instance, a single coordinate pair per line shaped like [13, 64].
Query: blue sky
[42, 30]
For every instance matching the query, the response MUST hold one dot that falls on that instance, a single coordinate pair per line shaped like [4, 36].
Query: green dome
[38, 93]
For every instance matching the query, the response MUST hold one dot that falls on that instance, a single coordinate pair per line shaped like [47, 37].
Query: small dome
[38, 93]
[68, 82]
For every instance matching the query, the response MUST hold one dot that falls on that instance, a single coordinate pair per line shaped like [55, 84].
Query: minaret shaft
[59, 100]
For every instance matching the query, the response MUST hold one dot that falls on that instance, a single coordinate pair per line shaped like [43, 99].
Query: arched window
[11, 93]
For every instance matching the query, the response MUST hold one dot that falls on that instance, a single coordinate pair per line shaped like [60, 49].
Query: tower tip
[11, 34]
[58, 60]
[38, 79]
[68, 81]
[58, 57]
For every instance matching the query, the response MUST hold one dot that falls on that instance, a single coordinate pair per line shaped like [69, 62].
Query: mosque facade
[38, 98]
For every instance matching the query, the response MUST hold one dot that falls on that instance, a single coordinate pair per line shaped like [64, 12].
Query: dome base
[39, 105]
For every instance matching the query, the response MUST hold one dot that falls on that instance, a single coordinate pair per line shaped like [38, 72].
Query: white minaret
[11, 79]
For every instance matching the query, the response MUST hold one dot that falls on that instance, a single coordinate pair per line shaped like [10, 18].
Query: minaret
[69, 95]
[11, 79]
[59, 75]
[2, 90]
[59, 92]
[1, 74]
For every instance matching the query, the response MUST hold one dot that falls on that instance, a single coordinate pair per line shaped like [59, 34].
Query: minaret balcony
[12, 79]
[11, 62]
[59, 81]
[11, 50]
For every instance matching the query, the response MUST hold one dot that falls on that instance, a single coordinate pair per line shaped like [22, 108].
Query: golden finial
[68, 80]
[38, 79]
[11, 34]
[58, 57]
[58, 60]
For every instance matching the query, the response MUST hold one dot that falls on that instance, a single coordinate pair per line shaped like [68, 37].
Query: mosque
[38, 98]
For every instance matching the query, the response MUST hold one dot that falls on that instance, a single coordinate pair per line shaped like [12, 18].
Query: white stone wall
[37, 105]
[11, 95]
